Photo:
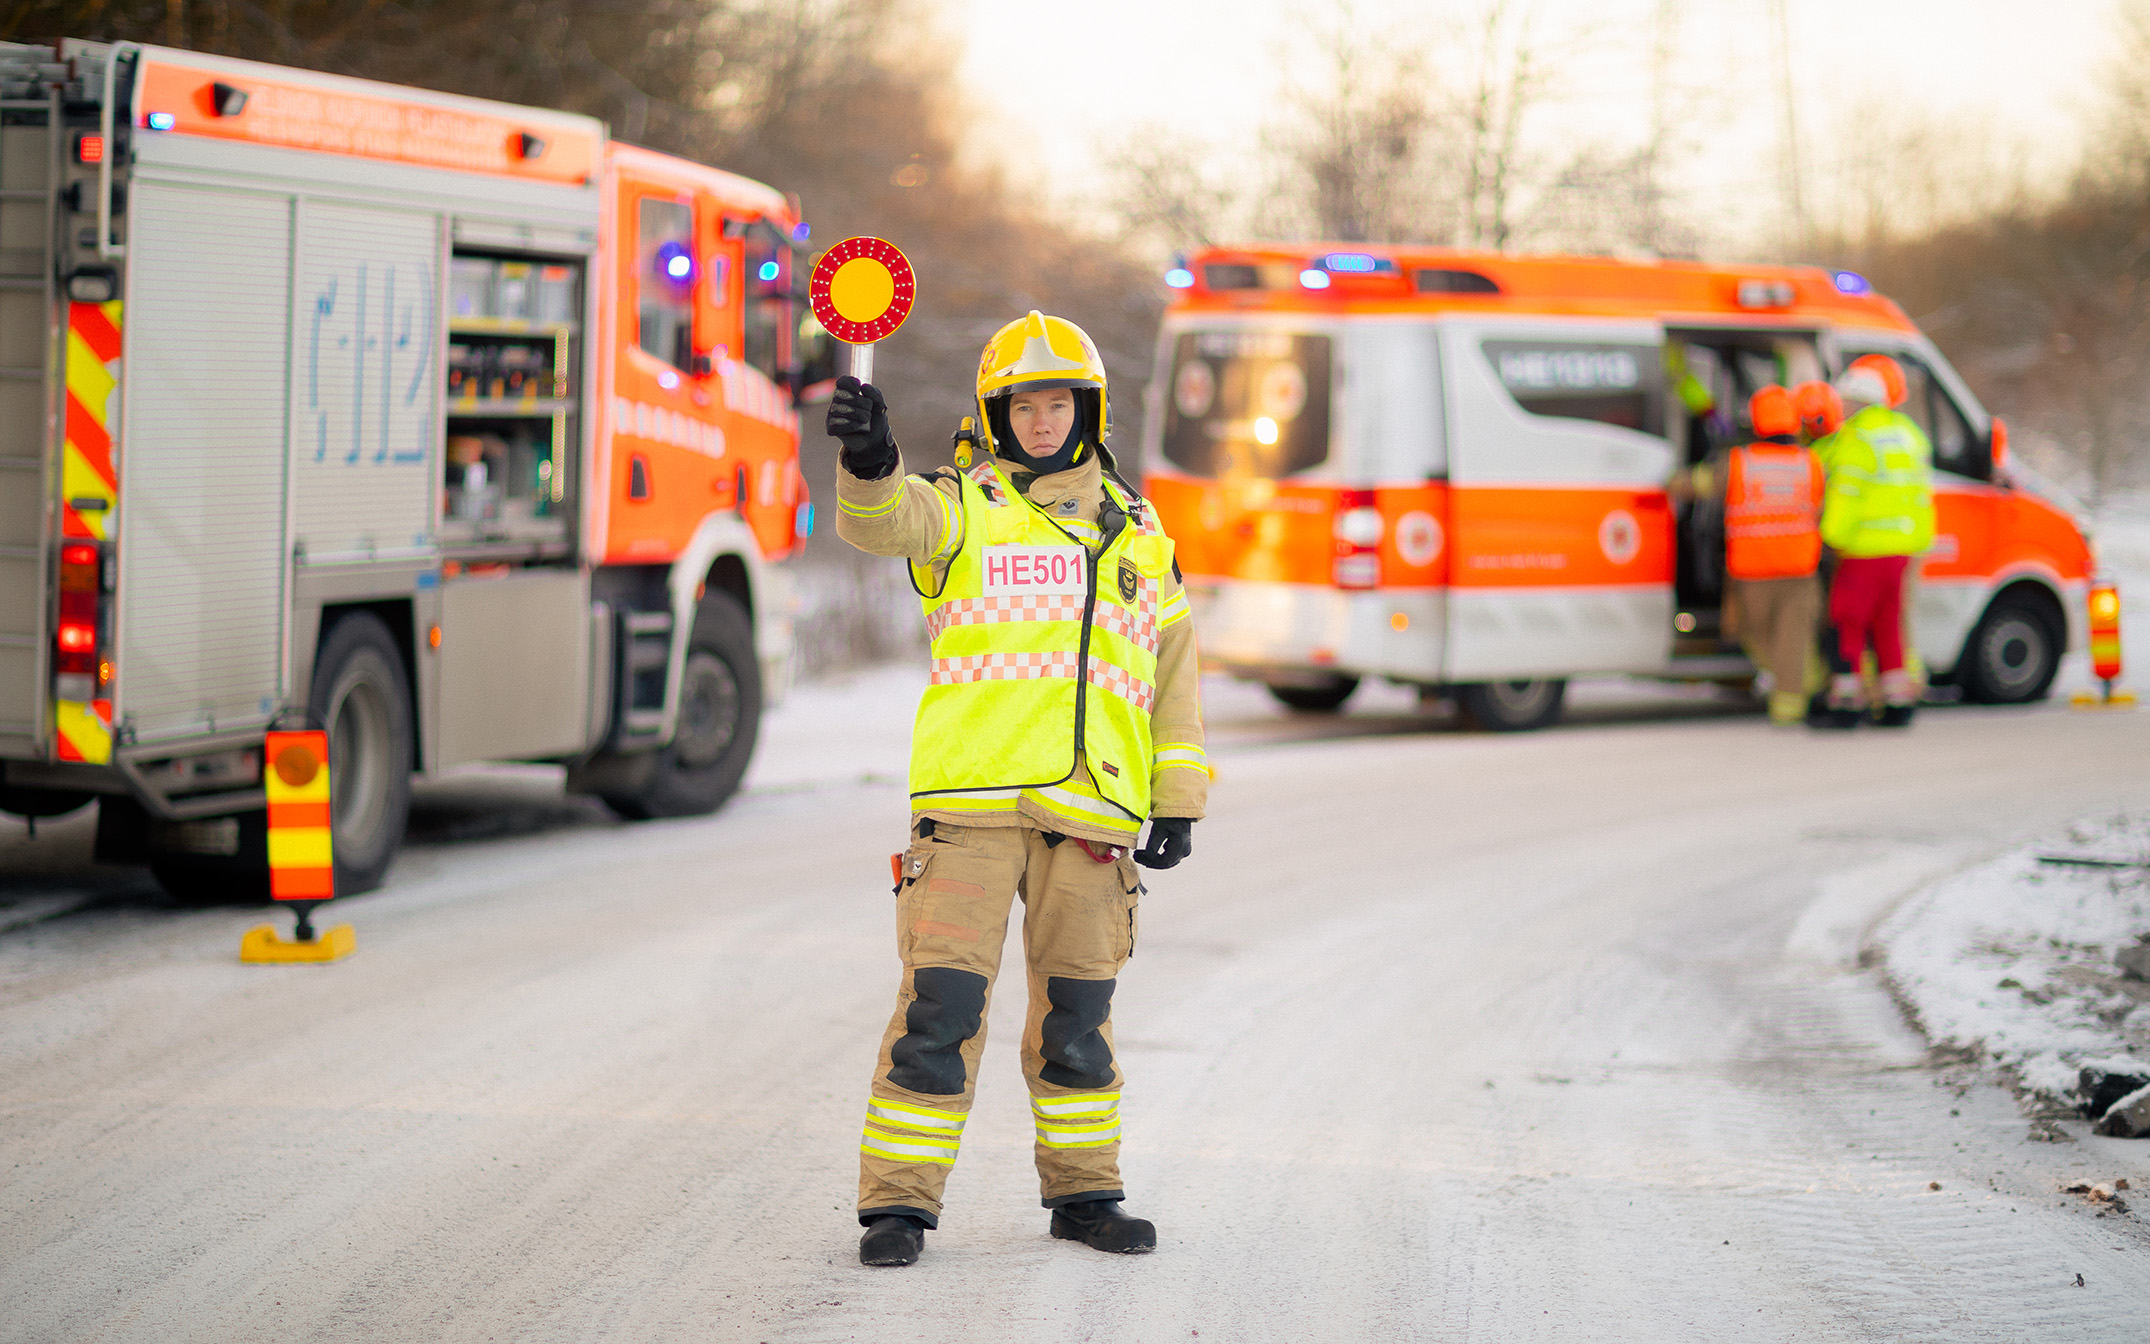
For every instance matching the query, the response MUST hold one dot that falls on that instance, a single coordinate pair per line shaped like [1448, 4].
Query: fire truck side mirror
[1997, 443]
[701, 366]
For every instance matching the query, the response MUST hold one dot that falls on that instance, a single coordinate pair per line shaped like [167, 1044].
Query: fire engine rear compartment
[321, 431]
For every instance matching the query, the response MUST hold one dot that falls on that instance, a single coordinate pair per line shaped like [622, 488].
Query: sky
[1059, 85]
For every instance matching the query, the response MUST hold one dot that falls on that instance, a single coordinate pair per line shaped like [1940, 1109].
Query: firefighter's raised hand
[858, 414]
[1171, 839]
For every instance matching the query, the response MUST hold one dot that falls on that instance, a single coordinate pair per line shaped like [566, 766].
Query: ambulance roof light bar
[1766, 294]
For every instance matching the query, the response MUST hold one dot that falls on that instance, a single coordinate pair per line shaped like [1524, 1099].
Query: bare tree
[1164, 190]
[1349, 155]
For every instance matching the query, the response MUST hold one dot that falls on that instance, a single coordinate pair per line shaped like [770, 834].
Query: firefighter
[1878, 515]
[1772, 508]
[1063, 712]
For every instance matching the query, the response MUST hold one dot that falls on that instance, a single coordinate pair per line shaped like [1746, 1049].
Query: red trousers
[1866, 603]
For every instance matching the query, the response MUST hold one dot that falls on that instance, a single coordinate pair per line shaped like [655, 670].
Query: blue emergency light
[1351, 263]
[803, 523]
[675, 262]
[801, 231]
[162, 121]
[1179, 277]
[1851, 282]
[1314, 279]
[767, 271]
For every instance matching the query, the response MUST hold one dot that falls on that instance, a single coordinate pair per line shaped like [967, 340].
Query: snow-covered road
[1438, 1037]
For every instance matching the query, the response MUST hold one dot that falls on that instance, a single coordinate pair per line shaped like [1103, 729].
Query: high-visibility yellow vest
[1040, 647]
[1880, 486]
[1772, 501]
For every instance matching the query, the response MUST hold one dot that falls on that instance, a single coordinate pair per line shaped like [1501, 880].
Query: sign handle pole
[862, 362]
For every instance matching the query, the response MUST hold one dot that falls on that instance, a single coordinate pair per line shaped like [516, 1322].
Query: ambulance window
[1231, 277]
[1432, 281]
[1248, 403]
[1927, 402]
[664, 278]
[1582, 380]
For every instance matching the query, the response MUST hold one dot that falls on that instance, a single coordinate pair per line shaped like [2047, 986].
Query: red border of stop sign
[899, 307]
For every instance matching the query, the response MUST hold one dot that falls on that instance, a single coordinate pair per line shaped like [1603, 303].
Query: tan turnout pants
[958, 889]
[1776, 623]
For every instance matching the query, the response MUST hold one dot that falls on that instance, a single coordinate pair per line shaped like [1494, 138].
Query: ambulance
[450, 427]
[1449, 469]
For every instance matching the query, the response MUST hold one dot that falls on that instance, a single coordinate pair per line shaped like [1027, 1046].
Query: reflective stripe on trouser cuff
[904, 1132]
[905, 1115]
[908, 1147]
[1087, 1120]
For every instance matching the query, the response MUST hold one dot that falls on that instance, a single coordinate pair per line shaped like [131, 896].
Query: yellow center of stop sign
[862, 289]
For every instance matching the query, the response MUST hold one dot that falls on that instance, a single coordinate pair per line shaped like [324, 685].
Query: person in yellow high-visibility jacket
[1878, 515]
[1063, 712]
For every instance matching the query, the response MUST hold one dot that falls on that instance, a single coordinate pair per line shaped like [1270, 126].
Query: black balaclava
[1082, 434]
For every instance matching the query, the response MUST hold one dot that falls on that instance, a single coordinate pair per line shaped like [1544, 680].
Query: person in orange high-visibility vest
[1773, 546]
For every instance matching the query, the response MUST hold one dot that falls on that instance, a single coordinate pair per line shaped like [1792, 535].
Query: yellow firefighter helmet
[1035, 352]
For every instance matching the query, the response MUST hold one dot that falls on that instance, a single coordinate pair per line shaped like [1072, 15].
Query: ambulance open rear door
[1560, 537]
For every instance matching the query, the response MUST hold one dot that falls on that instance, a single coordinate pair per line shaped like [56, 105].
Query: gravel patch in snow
[2012, 960]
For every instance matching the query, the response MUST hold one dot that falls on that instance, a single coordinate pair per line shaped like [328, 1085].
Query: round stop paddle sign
[862, 290]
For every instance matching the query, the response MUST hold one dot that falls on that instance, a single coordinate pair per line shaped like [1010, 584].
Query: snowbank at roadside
[2013, 959]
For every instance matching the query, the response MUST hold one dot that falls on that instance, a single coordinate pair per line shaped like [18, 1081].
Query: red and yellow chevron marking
[88, 473]
[302, 864]
[84, 730]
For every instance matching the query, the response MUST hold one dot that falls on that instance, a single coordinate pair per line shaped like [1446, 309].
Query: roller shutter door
[202, 560]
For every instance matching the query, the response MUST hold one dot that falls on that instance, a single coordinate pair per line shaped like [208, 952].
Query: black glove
[858, 414]
[1171, 839]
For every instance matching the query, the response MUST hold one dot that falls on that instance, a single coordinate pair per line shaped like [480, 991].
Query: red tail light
[1358, 527]
[75, 633]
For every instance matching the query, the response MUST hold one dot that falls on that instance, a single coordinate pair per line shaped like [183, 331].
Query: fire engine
[1450, 469]
[451, 427]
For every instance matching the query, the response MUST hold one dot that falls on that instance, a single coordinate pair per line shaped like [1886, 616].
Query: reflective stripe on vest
[1034, 639]
[1772, 513]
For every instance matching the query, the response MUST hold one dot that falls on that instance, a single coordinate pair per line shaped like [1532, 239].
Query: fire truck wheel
[2012, 656]
[1511, 706]
[361, 697]
[719, 718]
[1320, 698]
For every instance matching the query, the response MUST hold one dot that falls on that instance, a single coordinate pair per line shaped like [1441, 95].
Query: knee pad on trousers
[1075, 1051]
[945, 1013]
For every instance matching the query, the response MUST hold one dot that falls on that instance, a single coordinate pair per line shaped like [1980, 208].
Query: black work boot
[892, 1240]
[1099, 1223]
[1896, 716]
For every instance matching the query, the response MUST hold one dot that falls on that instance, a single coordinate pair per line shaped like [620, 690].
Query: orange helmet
[1821, 410]
[1889, 371]
[1771, 413]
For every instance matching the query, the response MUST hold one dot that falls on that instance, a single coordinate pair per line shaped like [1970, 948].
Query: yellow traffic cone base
[262, 946]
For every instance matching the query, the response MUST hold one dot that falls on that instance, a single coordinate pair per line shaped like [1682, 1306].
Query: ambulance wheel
[719, 719]
[1325, 697]
[1511, 706]
[361, 698]
[2012, 656]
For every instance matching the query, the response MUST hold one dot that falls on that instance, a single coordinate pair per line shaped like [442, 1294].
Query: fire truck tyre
[2012, 656]
[1324, 697]
[362, 699]
[719, 718]
[1511, 706]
